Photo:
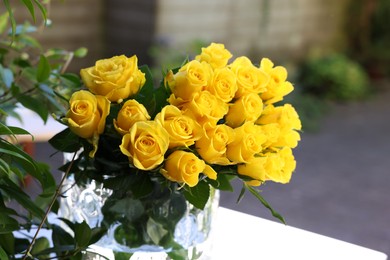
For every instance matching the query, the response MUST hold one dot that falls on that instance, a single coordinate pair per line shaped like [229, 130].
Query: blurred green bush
[334, 77]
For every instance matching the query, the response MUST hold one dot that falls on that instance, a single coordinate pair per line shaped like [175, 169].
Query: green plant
[33, 78]
[368, 35]
[335, 77]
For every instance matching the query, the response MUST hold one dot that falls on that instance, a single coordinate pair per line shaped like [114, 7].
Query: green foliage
[334, 77]
[368, 35]
[35, 79]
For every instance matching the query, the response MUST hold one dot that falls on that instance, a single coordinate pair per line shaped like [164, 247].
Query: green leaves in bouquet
[256, 193]
[66, 141]
[154, 99]
[70, 246]
[198, 195]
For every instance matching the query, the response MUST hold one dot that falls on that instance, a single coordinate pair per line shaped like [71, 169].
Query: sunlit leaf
[11, 17]
[3, 22]
[40, 245]
[30, 8]
[81, 52]
[42, 8]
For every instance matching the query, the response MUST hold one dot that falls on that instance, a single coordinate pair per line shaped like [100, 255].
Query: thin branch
[58, 191]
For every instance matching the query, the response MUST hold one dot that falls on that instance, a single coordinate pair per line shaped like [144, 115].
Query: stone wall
[279, 29]
[283, 29]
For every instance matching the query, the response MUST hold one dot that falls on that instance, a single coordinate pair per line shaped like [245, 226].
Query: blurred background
[337, 53]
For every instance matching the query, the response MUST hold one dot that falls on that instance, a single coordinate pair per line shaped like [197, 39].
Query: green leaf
[42, 8]
[7, 242]
[141, 185]
[82, 233]
[256, 193]
[34, 104]
[152, 98]
[222, 182]
[44, 69]
[7, 224]
[21, 197]
[132, 209]
[41, 244]
[30, 41]
[3, 22]
[71, 81]
[155, 230]
[18, 156]
[81, 52]
[66, 141]
[13, 130]
[11, 17]
[4, 168]
[96, 234]
[242, 193]
[62, 240]
[3, 254]
[198, 195]
[21, 244]
[30, 8]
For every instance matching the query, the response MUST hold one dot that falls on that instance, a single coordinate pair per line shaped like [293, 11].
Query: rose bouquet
[209, 121]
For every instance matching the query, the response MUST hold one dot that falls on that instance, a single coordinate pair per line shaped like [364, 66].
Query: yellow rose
[116, 78]
[185, 167]
[182, 130]
[277, 86]
[223, 84]
[131, 112]
[247, 108]
[247, 143]
[288, 121]
[87, 115]
[192, 78]
[254, 169]
[276, 166]
[145, 144]
[212, 146]
[272, 132]
[205, 108]
[215, 54]
[250, 79]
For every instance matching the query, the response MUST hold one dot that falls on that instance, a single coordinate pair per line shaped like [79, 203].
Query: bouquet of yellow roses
[209, 121]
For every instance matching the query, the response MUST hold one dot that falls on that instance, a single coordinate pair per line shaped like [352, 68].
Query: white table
[242, 236]
[239, 236]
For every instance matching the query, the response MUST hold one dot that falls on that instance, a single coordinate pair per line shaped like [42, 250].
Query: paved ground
[341, 187]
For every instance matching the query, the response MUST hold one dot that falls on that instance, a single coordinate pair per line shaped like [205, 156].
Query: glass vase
[161, 225]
